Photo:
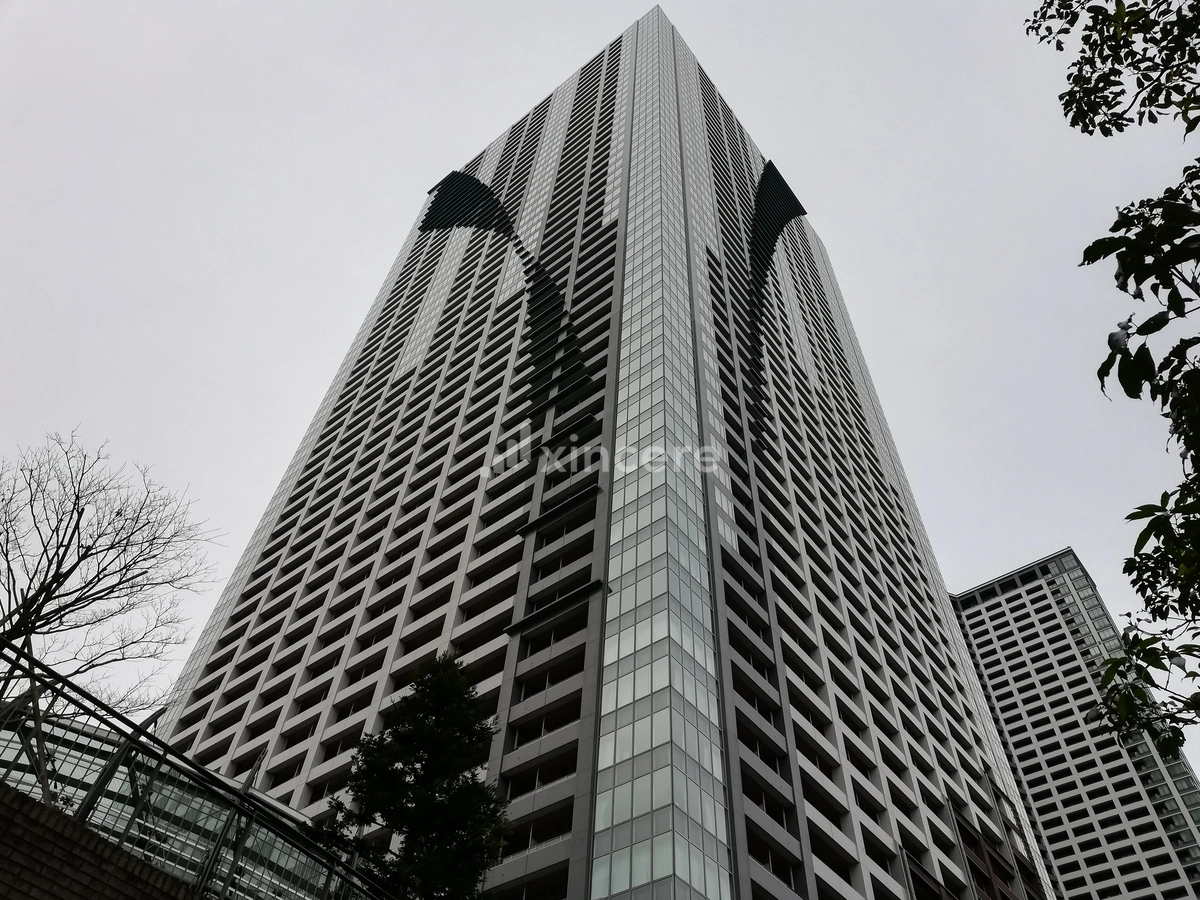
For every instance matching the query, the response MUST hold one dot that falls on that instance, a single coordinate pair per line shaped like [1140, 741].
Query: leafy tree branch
[1137, 63]
[417, 815]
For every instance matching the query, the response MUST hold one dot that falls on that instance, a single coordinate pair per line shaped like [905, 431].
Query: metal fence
[67, 748]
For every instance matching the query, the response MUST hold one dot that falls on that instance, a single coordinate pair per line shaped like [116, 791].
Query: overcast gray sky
[198, 201]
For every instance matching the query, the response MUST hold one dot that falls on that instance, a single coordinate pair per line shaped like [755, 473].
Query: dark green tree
[418, 817]
[1139, 62]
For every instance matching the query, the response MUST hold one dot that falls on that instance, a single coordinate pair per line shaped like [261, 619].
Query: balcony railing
[69, 749]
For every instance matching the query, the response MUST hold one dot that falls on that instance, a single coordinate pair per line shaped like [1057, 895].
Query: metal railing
[69, 749]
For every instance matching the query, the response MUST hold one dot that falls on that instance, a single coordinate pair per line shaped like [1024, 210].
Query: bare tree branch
[92, 562]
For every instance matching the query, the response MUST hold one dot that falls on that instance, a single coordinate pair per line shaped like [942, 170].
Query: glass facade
[660, 801]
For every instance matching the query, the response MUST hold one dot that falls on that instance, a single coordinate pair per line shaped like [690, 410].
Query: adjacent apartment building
[1113, 819]
[606, 434]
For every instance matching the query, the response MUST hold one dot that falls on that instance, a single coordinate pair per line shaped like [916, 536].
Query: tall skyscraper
[1113, 819]
[607, 435]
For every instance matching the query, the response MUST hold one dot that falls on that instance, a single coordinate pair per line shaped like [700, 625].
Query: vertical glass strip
[660, 815]
[616, 159]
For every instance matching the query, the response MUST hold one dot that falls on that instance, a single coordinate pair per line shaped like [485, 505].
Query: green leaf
[1170, 743]
[1175, 303]
[1144, 364]
[1129, 374]
[1105, 368]
[1144, 538]
[1156, 322]
[1110, 672]
[1102, 247]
